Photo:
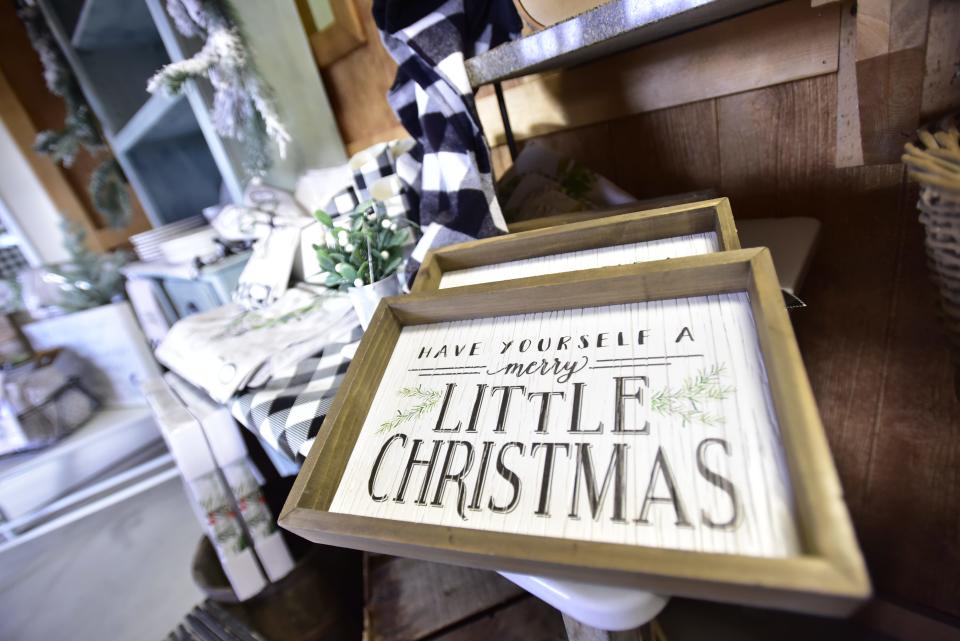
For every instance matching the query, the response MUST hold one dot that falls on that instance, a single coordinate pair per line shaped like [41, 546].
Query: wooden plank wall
[357, 86]
[784, 42]
[870, 337]
[876, 356]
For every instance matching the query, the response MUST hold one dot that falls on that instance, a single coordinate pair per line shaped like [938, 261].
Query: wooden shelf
[170, 150]
[119, 79]
[178, 175]
[160, 117]
[68, 13]
[609, 28]
[111, 24]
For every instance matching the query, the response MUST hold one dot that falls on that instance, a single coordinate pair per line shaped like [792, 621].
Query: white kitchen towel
[221, 351]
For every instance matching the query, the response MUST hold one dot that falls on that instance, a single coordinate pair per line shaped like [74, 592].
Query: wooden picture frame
[337, 39]
[827, 577]
[582, 231]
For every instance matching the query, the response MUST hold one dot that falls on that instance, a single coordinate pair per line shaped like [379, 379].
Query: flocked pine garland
[242, 105]
[81, 130]
[88, 279]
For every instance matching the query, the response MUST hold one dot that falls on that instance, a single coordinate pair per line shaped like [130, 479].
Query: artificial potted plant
[361, 253]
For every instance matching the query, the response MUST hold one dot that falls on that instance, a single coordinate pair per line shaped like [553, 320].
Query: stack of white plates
[148, 244]
[200, 243]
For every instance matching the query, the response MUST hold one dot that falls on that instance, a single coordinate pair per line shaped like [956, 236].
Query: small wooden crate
[561, 242]
[825, 573]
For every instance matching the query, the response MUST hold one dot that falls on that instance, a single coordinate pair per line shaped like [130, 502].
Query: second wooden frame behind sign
[700, 217]
[828, 577]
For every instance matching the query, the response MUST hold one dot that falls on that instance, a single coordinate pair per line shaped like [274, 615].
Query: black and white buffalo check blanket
[448, 173]
[287, 412]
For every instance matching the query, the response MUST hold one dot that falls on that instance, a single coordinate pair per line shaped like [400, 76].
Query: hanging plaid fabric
[448, 172]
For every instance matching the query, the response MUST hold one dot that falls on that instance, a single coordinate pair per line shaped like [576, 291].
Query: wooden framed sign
[689, 229]
[648, 425]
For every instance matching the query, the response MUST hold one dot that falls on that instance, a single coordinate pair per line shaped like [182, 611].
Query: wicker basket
[43, 400]
[936, 167]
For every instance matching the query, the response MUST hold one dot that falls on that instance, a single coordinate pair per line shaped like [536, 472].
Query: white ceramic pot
[365, 299]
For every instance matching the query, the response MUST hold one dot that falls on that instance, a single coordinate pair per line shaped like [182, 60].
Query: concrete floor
[120, 574]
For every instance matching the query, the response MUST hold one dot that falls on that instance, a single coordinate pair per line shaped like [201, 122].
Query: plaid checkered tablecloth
[287, 412]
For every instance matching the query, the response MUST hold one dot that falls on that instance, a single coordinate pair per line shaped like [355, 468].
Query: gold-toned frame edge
[832, 579]
[643, 204]
[623, 227]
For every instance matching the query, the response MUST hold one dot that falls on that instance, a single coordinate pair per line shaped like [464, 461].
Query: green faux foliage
[689, 399]
[88, 279]
[81, 129]
[251, 319]
[174, 80]
[576, 180]
[362, 247]
[568, 178]
[426, 399]
[11, 296]
[108, 190]
[243, 105]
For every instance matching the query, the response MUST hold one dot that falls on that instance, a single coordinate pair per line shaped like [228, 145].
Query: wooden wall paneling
[941, 83]
[24, 73]
[776, 149]
[590, 146]
[890, 88]
[891, 36]
[500, 160]
[875, 355]
[64, 198]
[776, 141]
[784, 42]
[337, 39]
[911, 492]
[873, 28]
[849, 146]
[357, 86]
[383, 135]
[880, 370]
[908, 19]
[879, 367]
[886, 26]
[529, 619]
[676, 149]
[409, 599]
[842, 331]
[663, 152]
[899, 622]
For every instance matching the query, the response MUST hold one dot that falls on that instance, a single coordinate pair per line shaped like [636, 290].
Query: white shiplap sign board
[624, 254]
[648, 423]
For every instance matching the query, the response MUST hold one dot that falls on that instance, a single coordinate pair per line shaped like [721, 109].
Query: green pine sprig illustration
[688, 400]
[251, 320]
[427, 400]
